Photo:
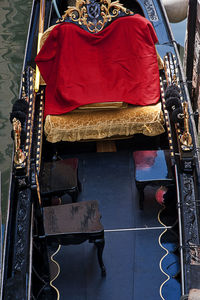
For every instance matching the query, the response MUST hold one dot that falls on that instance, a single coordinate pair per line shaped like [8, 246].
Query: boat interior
[107, 194]
[141, 239]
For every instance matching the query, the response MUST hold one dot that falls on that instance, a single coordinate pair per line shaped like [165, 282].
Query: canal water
[14, 19]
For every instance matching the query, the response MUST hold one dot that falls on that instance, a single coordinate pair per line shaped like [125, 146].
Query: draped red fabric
[117, 64]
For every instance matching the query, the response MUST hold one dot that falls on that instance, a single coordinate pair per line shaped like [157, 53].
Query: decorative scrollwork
[172, 76]
[22, 231]
[93, 15]
[195, 254]
[19, 156]
[186, 138]
[189, 217]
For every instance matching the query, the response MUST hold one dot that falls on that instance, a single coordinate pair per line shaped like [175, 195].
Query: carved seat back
[94, 15]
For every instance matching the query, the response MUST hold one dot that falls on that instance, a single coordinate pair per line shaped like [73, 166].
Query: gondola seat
[74, 224]
[86, 63]
[97, 125]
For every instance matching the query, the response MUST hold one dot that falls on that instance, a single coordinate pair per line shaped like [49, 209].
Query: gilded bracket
[171, 74]
[94, 15]
[186, 138]
[19, 156]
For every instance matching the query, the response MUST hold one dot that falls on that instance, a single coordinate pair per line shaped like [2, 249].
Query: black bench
[74, 224]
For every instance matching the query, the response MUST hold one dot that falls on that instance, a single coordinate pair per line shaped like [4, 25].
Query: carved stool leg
[100, 246]
[74, 194]
[79, 186]
[141, 195]
[142, 198]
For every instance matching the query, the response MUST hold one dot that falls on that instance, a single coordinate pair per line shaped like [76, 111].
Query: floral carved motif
[93, 15]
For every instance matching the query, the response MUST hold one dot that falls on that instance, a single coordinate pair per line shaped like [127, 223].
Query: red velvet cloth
[117, 64]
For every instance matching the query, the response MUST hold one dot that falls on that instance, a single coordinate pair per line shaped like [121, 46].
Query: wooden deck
[132, 252]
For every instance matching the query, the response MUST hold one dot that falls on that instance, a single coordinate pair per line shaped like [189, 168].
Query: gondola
[104, 195]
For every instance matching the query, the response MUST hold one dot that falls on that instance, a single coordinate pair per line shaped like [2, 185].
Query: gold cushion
[97, 125]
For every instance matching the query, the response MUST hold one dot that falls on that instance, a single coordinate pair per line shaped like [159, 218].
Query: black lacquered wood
[152, 168]
[74, 224]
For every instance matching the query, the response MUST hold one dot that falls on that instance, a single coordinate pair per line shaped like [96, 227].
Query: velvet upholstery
[117, 64]
[95, 119]
[48, 31]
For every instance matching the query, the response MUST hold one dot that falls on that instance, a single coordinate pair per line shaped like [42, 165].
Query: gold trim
[186, 138]
[108, 11]
[38, 189]
[40, 132]
[167, 252]
[168, 126]
[19, 156]
[40, 32]
[58, 266]
[172, 77]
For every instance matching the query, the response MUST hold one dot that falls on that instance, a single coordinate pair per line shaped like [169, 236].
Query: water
[14, 19]
[179, 30]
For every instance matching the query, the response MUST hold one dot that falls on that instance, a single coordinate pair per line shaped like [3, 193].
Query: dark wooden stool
[60, 177]
[152, 168]
[74, 224]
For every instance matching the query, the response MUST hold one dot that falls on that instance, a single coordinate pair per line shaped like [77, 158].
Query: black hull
[137, 232]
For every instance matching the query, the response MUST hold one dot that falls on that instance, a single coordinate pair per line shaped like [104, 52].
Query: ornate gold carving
[186, 138]
[172, 77]
[94, 15]
[19, 156]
